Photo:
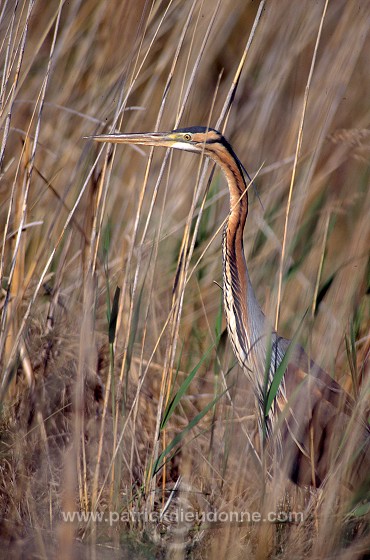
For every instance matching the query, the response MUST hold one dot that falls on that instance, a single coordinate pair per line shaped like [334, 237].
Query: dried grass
[81, 421]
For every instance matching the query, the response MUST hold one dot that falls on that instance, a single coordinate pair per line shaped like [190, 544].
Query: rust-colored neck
[245, 319]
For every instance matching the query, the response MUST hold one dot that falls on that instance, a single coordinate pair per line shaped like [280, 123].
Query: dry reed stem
[179, 63]
[296, 157]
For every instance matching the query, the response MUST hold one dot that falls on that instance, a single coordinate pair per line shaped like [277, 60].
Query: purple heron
[310, 410]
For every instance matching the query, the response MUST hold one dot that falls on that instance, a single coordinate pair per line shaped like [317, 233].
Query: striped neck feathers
[246, 321]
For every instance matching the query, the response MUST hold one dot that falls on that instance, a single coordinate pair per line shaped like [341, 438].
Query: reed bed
[121, 402]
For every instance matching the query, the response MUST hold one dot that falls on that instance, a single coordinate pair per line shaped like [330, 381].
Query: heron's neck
[246, 321]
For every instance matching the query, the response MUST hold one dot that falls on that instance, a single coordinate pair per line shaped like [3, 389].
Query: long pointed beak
[142, 138]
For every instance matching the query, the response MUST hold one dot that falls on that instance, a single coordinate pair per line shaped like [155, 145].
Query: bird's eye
[187, 137]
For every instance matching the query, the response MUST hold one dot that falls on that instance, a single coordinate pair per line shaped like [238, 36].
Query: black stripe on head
[228, 147]
[218, 139]
[196, 129]
[242, 169]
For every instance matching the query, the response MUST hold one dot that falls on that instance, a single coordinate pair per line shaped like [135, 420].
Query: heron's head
[192, 139]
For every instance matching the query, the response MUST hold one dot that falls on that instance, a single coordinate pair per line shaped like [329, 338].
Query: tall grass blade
[279, 374]
[170, 408]
[180, 436]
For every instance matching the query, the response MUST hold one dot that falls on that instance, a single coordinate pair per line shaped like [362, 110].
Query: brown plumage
[310, 412]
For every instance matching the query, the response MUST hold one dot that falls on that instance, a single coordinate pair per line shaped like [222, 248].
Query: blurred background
[84, 397]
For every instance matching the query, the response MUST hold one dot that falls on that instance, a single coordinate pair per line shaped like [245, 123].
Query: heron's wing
[321, 384]
[314, 415]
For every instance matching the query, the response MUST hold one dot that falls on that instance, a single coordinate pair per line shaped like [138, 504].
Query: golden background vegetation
[82, 421]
